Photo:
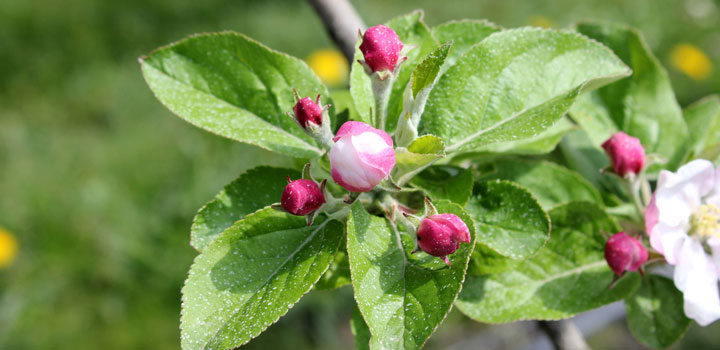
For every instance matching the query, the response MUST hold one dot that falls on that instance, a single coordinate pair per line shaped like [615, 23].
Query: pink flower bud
[381, 48]
[440, 235]
[361, 157]
[307, 111]
[302, 197]
[624, 253]
[626, 153]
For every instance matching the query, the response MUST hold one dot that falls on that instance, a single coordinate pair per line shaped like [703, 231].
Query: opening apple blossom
[683, 223]
[361, 157]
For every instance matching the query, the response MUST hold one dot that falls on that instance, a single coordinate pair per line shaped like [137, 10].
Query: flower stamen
[706, 221]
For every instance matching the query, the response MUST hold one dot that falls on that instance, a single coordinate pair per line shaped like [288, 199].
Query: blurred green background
[99, 183]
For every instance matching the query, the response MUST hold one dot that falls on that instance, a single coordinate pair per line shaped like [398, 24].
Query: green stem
[381, 91]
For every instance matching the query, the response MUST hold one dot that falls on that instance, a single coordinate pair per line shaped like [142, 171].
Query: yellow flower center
[706, 221]
[8, 248]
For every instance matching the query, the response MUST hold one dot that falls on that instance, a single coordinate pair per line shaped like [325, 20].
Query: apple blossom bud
[624, 253]
[361, 157]
[307, 111]
[302, 197]
[381, 48]
[626, 153]
[440, 235]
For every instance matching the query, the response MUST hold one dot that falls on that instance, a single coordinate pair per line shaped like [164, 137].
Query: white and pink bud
[308, 112]
[302, 197]
[624, 253]
[441, 234]
[626, 153]
[381, 48]
[361, 157]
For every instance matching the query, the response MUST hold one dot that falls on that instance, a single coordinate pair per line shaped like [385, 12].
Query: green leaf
[567, 276]
[703, 119]
[413, 32]
[419, 155]
[425, 73]
[338, 274]
[542, 143]
[655, 312]
[360, 330]
[484, 261]
[643, 105]
[551, 184]
[445, 182]
[403, 297]
[588, 160]
[508, 218]
[253, 274]
[464, 34]
[253, 190]
[233, 86]
[515, 84]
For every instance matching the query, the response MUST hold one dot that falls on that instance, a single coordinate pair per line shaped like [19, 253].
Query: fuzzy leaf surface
[514, 85]
[235, 87]
[508, 219]
[402, 297]
[253, 190]
[567, 276]
[655, 312]
[253, 274]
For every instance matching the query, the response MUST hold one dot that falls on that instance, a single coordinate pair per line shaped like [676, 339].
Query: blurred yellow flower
[540, 21]
[329, 65]
[8, 248]
[692, 61]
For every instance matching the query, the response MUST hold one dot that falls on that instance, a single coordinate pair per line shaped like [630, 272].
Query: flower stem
[381, 91]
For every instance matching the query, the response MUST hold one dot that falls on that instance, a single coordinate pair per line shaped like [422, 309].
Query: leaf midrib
[217, 98]
[270, 276]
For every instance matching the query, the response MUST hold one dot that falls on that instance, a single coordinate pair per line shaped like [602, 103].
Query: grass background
[99, 183]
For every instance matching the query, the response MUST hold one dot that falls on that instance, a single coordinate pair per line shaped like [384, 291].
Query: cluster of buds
[626, 153]
[625, 253]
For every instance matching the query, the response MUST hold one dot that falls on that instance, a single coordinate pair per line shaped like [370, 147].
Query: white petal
[667, 240]
[696, 277]
[714, 244]
[679, 194]
[345, 159]
[714, 197]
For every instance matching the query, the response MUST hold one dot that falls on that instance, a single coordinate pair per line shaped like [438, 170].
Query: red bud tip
[624, 253]
[381, 48]
[626, 153]
[440, 235]
[307, 111]
[302, 197]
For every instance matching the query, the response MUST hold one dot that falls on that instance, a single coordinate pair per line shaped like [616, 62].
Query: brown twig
[342, 22]
[564, 335]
